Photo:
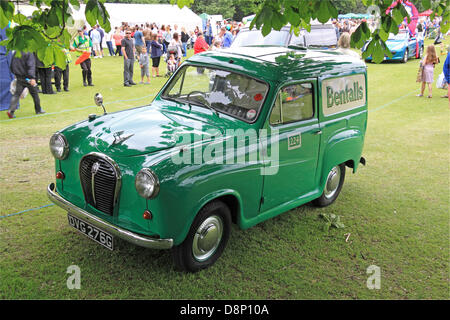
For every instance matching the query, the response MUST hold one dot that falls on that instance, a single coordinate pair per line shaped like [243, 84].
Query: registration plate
[94, 233]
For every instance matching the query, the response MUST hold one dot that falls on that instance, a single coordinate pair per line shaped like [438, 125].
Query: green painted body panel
[156, 132]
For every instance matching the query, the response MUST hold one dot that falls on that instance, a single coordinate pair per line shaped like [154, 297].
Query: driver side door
[294, 120]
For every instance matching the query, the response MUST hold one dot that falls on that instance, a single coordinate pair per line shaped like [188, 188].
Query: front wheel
[405, 56]
[333, 186]
[206, 240]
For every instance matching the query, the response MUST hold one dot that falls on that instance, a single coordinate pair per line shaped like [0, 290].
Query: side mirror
[98, 99]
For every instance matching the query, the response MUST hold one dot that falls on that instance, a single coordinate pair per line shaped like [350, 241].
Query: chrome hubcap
[332, 182]
[207, 238]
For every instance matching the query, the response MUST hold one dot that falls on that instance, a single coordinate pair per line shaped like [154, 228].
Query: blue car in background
[403, 46]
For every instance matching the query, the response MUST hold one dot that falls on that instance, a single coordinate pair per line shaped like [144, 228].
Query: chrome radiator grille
[100, 179]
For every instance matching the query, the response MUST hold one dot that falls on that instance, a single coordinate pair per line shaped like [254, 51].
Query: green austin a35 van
[235, 136]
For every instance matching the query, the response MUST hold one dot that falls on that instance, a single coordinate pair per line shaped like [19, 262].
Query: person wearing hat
[83, 44]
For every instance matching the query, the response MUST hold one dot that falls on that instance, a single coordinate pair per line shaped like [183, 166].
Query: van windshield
[322, 37]
[255, 37]
[398, 36]
[221, 91]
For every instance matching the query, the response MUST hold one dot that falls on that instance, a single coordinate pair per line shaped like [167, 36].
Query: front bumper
[106, 226]
[396, 55]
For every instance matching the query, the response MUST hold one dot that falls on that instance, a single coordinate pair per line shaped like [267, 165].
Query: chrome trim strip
[126, 235]
[94, 170]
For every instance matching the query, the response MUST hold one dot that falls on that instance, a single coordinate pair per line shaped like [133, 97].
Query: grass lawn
[395, 211]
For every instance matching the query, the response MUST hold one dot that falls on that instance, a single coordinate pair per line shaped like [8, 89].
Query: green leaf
[52, 17]
[332, 10]
[387, 52]
[266, 16]
[338, 225]
[397, 15]
[383, 34]
[291, 16]
[49, 57]
[7, 9]
[365, 30]
[90, 12]
[75, 4]
[323, 15]
[426, 4]
[4, 21]
[378, 52]
[277, 21]
[60, 57]
[356, 35]
[266, 29]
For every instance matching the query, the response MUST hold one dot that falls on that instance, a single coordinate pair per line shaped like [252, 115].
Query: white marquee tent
[139, 14]
[158, 13]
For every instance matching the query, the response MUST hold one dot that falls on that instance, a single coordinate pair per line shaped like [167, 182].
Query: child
[144, 63]
[428, 63]
[171, 64]
[216, 45]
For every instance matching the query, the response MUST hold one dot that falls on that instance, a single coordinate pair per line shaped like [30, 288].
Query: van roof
[274, 63]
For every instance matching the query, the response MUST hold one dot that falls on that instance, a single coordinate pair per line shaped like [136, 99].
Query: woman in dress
[428, 63]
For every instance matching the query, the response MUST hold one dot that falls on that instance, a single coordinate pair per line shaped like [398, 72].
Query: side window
[294, 103]
[298, 40]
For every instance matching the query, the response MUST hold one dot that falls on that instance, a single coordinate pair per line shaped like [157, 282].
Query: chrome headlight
[59, 146]
[147, 183]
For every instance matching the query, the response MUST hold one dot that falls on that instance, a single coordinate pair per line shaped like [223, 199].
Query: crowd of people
[143, 43]
[425, 29]
[150, 42]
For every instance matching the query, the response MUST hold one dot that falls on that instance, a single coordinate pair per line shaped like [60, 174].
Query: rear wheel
[206, 240]
[333, 186]
[420, 53]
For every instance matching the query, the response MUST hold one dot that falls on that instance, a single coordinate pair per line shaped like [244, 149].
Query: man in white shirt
[175, 29]
[96, 39]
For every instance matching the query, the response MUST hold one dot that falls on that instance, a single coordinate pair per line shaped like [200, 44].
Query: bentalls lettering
[344, 96]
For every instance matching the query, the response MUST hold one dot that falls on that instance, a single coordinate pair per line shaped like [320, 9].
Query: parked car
[321, 36]
[237, 136]
[403, 46]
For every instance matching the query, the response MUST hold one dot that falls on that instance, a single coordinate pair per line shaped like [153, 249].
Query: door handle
[318, 132]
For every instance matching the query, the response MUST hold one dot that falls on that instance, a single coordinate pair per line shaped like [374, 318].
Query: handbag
[441, 83]
[420, 73]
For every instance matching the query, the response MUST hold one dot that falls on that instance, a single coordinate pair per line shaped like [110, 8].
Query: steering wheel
[196, 91]
[203, 94]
